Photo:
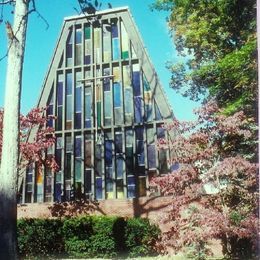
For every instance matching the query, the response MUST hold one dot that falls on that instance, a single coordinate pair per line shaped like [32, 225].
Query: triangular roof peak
[102, 12]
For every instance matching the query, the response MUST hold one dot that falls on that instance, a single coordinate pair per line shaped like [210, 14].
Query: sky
[40, 44]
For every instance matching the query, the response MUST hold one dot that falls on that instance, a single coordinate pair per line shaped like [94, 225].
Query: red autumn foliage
[215, 189]
[34, 150]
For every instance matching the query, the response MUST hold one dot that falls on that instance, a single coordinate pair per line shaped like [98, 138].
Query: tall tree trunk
[10, 149]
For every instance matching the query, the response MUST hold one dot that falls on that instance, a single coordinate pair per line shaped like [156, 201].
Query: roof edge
[107, 11]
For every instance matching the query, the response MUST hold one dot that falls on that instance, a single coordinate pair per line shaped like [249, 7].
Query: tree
[215, 189]
[10, 143]
[218, 39]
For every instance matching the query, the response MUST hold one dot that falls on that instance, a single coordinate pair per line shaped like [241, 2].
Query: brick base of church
[148, 207]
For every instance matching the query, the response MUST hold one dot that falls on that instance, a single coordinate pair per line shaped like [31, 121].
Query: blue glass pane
[117, 95]
[160, 132]
[78, 36]
[78, 120]
[131, 180]
[60, 93]
[114, 30]
[131, 191]
[88, 107]
[140, 152]
[87, 181]
[128, 101]
[58, 157]
[106, 80]
[136, 83]
[50, 110]
[59, 121]
[139, 133]
[151, 156]
[88, 123]
[69, 50]
[138, 109]
[78, 146]
[115, 49]
[87, 59]
[108, 152]
[109, 173]
[174, 167]
[78, 99]
[158, 115]
[118, 143]
[69, 84]
[109, 185]
[69, 108]
[107, 104]
[119, 167]
[98, 188]
[57, 195]
[149, 112]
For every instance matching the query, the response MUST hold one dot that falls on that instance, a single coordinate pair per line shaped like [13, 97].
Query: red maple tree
[214, 189]
[34, 150]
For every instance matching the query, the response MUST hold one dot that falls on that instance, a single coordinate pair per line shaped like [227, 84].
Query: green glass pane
[77, 169]
[125, 55]
[87, 33]
[99, 113]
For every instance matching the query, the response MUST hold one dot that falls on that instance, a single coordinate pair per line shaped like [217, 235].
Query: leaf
[109, 5]
[96, 3]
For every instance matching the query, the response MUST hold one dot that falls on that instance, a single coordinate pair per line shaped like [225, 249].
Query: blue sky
[41, 42]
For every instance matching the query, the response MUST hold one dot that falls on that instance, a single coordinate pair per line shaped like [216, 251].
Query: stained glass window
[124, 37]
[106, 43]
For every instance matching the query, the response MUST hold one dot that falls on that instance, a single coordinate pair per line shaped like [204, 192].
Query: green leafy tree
[218, 38]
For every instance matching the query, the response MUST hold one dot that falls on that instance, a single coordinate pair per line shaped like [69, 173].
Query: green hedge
[87, 237]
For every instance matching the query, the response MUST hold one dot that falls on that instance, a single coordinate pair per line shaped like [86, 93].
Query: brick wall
[150, 207]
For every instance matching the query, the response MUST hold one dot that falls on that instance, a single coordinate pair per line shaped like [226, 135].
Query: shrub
[41, 237]
[140, 237]
[86, 237]
[77, 233]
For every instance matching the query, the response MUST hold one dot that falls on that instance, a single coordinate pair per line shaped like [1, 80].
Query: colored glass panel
[99, 188]
[117, 95]
[88, 153]
[108, 105]
[114, 30]
[116, 74]
[78, 98]
[158, 115]
[131, 191]
[78, 54]
[138, 109]
[78, 120]
[59, 120]
[67, 170]
[151, 154]
[128, 101]
[78, 146]
[99, 113]
[69, 108]
[118, 143]
[120, 189]
[142, 186]
[136, 83]
[108, 153]
[78, 39]
[87, 181]
[106, 80]
[124, 38]
[115, 47]
[69, 83]
[119, 167]
[78, 169]
[87, 33]
[106, 44]
[60, 93]
[126, 76]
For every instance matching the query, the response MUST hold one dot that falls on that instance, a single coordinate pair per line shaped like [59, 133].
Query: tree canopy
[218, 38]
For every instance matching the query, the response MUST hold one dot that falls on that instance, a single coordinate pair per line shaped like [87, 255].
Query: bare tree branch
[7, 2]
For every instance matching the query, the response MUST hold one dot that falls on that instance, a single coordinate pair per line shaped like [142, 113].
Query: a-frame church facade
[109, 107]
